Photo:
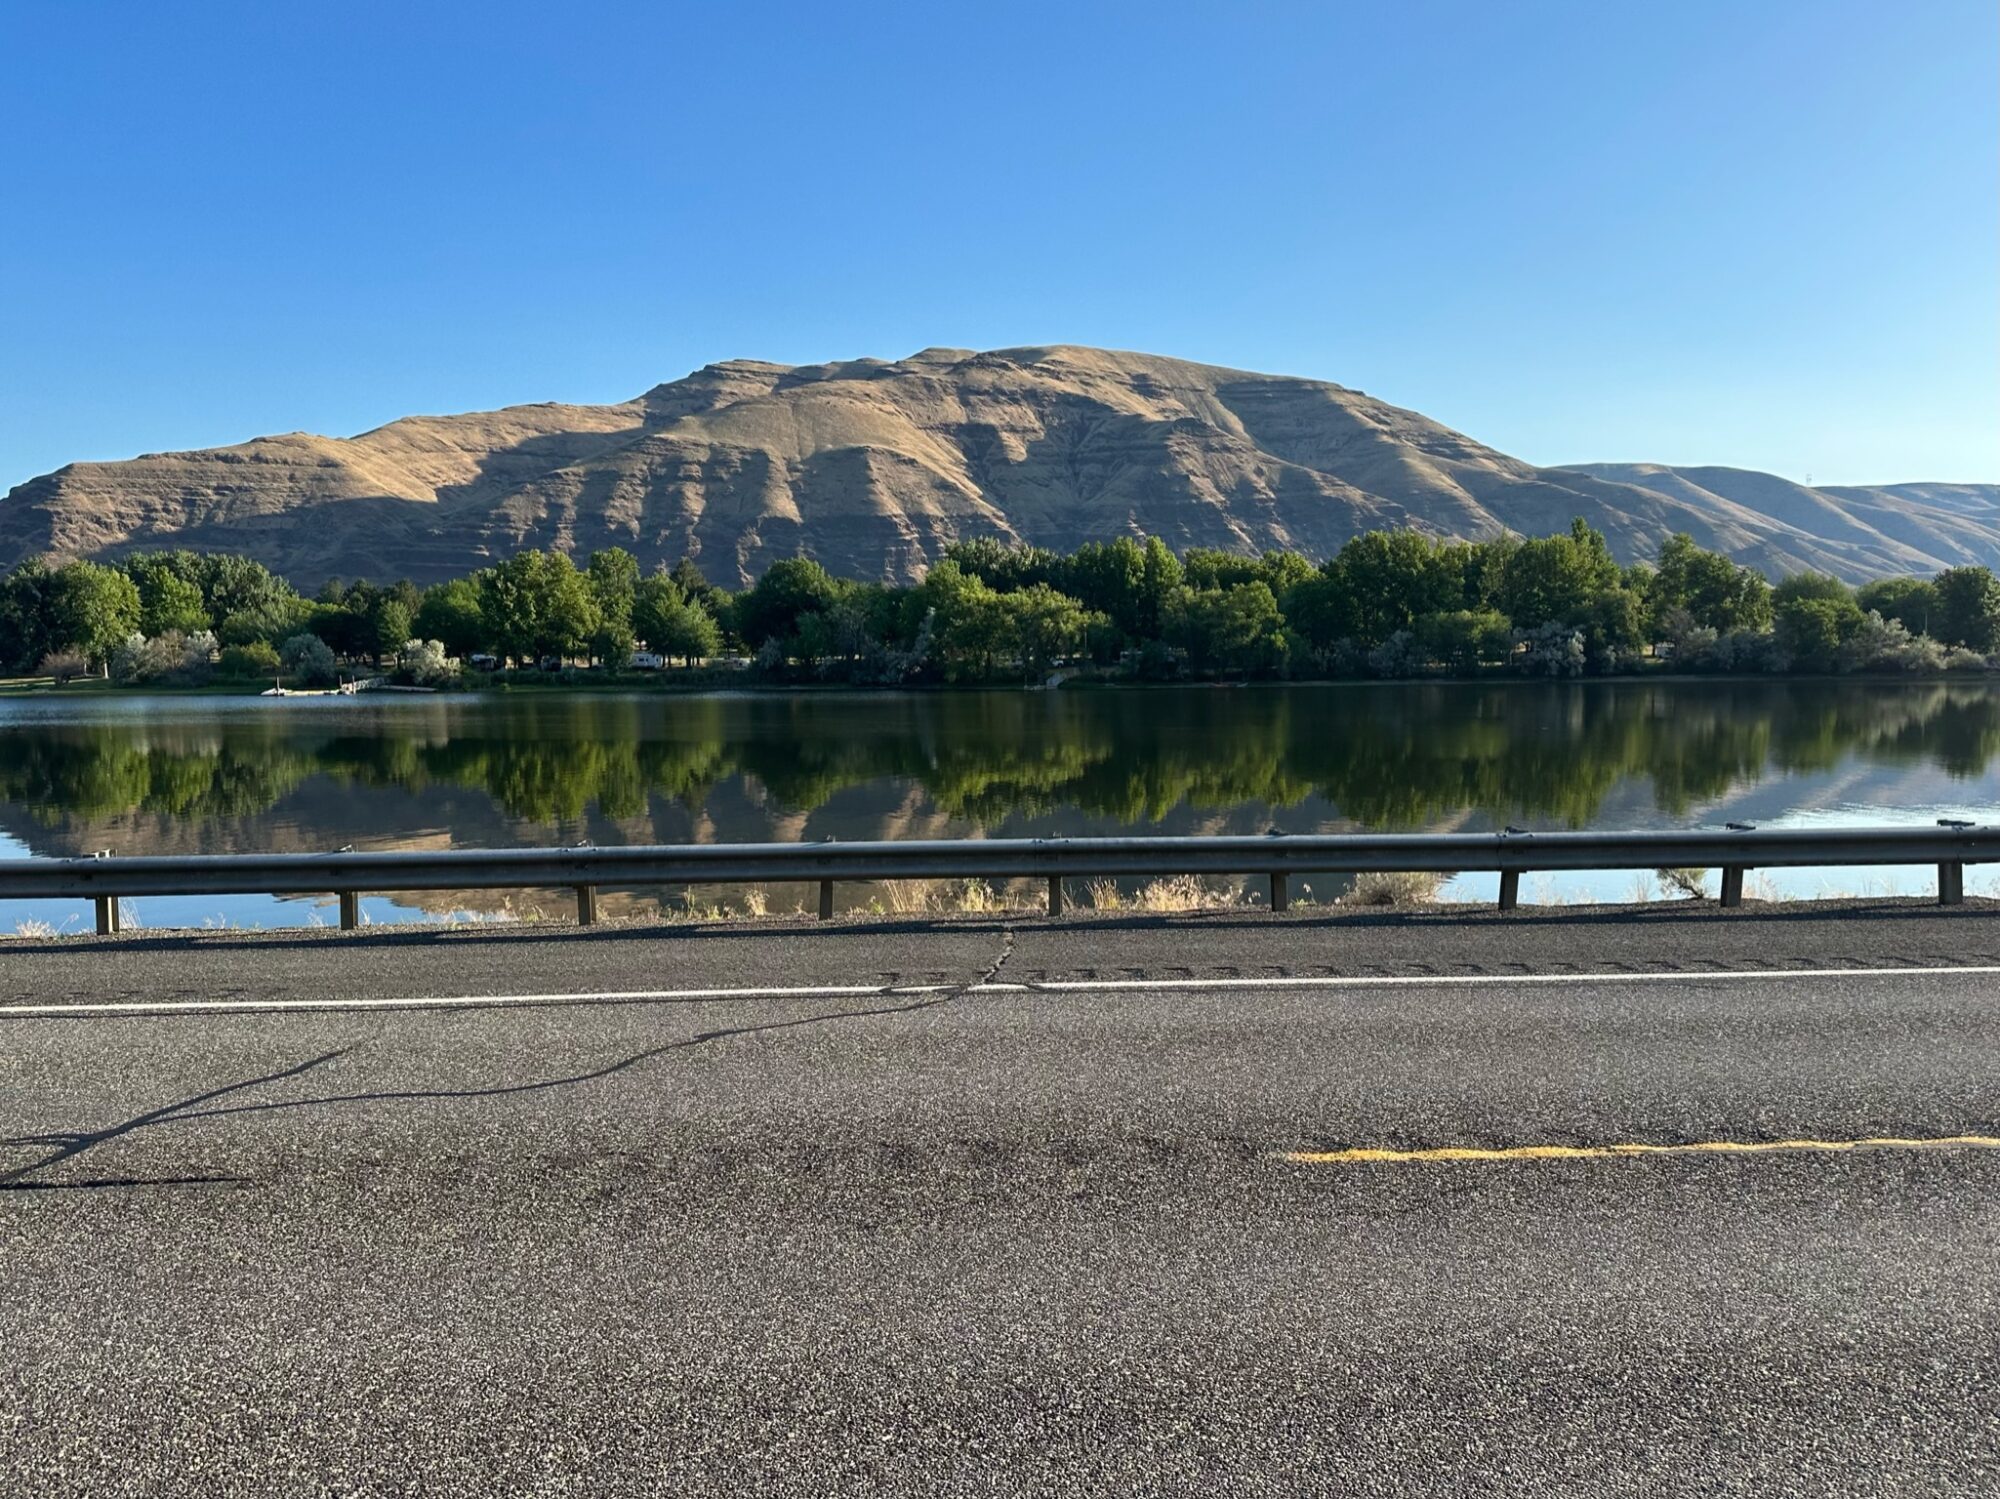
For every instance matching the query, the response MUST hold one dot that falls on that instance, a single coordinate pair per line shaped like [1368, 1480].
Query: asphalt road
[1005, 1208]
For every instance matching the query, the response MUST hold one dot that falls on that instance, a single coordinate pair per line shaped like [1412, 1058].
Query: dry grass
[1400, 888]
[1104, 895]
[1181, 893]
[1688, 883]
[941, 898]
[976, 898]
[33, 928]
[756, 902]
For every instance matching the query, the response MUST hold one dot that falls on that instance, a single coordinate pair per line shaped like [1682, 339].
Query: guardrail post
[1510, 889]
[586, 905]
[1951, 884]
[350, 910]
[1281, 897]
[108, 918]
[1732, 885]
[1055, 895]
[826, 900]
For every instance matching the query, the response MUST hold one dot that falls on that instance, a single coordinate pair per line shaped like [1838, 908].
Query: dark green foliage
[450, 613]
[1713, 592]
[1556, 579]
[538, 607]
[672, 623]
[1910, 602]
[1811, 627]
[790, 589]
[1968, 608]
[1391, 603]
[613, 576]
[92, 608]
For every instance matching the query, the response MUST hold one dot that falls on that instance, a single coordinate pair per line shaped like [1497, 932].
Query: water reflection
[187, 775]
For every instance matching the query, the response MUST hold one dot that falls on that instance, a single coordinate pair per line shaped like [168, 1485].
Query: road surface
[1008, 1208]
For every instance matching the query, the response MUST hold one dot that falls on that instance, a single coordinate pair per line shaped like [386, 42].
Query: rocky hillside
[874, 467]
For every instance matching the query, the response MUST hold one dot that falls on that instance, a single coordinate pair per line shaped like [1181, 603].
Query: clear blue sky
[1761, 232]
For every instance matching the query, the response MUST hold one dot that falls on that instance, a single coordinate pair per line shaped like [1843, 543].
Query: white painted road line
[462, 1001]
[892, 991]
[1433, 980]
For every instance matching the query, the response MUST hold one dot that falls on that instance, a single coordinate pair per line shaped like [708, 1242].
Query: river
[163, 775]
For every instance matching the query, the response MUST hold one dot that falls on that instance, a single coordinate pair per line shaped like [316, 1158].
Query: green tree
[1811, 628]
[1205, 569]
[346, 631]
[308, 661]
[1613, 625]
[1968, 609]
[233, 585]
[391, 623]
[691, 635]
[1316, 609]
[1236, 628]
[1711, 590]
[1799, 587]
[27, 616]
[671, 623]
[450, 613]
[613, 575]
[1000, 566]
[1910, 602]
[1463, 639]
[1042, 626]
[790, 589]
[95, 608]
[697, 589]
[1554, 579]
[1126, 581]
[170, 596]
[1282, 571]
[969, 627]
[536, 605]
[1483, 568]
[1384, 581]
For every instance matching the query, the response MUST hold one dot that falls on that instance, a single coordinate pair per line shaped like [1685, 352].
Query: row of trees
[1391, 603]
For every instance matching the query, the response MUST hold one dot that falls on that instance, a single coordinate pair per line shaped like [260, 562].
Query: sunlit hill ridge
[875, 467]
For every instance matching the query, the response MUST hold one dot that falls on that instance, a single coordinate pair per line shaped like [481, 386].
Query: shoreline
[654, 686]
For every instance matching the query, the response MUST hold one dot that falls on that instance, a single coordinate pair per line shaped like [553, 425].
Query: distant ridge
[874, 467]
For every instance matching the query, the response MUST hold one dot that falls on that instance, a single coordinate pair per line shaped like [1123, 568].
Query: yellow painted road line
[1368, 1157]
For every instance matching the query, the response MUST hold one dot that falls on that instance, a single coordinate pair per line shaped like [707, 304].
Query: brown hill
[875, 467]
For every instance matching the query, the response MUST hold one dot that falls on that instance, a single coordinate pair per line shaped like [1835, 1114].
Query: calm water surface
[186, 775]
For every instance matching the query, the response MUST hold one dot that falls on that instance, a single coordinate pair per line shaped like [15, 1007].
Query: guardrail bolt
[586, 905]
[826, 900]
[350, 910]
[1055, 895]
[1732, 886]
[1281, 895]
[1951, 884]
[1510, 889]
[108, 923]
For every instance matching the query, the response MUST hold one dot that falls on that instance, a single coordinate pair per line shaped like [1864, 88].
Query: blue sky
[1763, 233]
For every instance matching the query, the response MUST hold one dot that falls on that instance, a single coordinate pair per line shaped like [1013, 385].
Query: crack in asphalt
[71, 1144]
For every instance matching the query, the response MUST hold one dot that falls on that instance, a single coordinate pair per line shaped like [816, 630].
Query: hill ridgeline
[875, 467]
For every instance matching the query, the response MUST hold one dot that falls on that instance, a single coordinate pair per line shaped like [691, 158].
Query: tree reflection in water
[174, 775]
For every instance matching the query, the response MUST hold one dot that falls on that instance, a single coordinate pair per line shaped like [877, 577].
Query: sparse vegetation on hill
[878, 468]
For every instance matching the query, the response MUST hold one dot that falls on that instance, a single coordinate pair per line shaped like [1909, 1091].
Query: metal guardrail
[1950, 846]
